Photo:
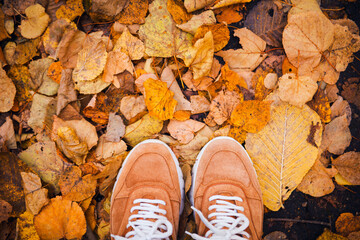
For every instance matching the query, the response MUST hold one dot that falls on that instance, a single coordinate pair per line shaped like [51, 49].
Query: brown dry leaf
[220, 32]
[70, 144]
[351, 91]
[337, 135]
[296, 90]
[318, 181]
[184, 131]
[106, 149]
[41, 112]
[134, 13]
[66, 92]
[222, 106]
[105, 11]
[131, 106]
[199, 104]
[93, 86]
[182, 103]
[35, 195]
[71, 10]
[321, 105]
[61, 218]
[3, 33]
[348, 166]
[74, 187]
[200, 57]
[26, 228]
[20, 76]
[21, 53]
[38, 71]
[354, 236]
[115, 129]
[178, 12]
[8, 91]
[224, 3]
[130, 45]
[251, 116]
[142, 129]
[341, 107]
[347, 223]
[7, 134]
[53, 35]
[35, 23]
[251, 54]
[276, 235]
[229, 14]
[328, 235]
[161, 36]
[11, 189]
[159, 99]
[116, 63]
[69, 47]
[231, 80]
[192, 5]
[206, 17]
[305, 42]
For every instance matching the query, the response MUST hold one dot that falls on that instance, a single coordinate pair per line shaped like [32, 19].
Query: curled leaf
[36, 22]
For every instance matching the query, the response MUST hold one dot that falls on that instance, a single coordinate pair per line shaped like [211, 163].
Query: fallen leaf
[338, 127]
[38, 71]
[16, 7]
[321, 105]
[159, 99]
[267, 21]
[351, 91]
[199, 104]
[35, 23]
[69, 47]
[3, 33]
[107, 11]
[304, 42]
[199, 57]
[142, 129]
[41, 111]
[178, 11]
[296, 90]
[8, 91]
[131, 106]
[251, 54]
[54, 71]
[11, 189]
[141, 79]
[191, 26]
[281, 153]
[184, 131]
[347, 223]
[328, 235]
[277, 235]
[35, 195]
[7, 133]
[26, 228]
[66, 92]
[134, 13]
[354, 235]
[287, 67]
[252, 115]
[348, 166]
[106, 149]
[220, 33]
[229, 14]
[231, 80]
[318, 181]
[192, 5]
[5, 210]
[116, 63]
[237, 133]
[130, 45]
[182, 103]
[341, 107]
[222, 106]
[21, 53]
[53, 34]
[74, 187]
[20, 76]
[61, 218]
[91, 86]
[115, 129]
[160, 35]
[43, 159]
[224, 3]
[103, 230]
[71, 10]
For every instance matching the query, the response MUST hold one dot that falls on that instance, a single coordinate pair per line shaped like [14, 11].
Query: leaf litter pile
[82, 82]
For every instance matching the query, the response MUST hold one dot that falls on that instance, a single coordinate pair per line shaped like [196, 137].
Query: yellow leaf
[259, 80]
[74, 187]
[8, 91]
[130, 45]
[116, 63]
[90, 62]
[224, 3]
[134, 13]
[26, 228]
[321, 105]
[196, 21]
[36, 22]
[93, 86]
[160, 35]
[200, 56]
[251, 115]
[281, 152]
[238, 134]
[142, 129]
[20, 76]
[220, 32]
[328, 235]
[178, 12]
[70, 10]
[103, 230]
[159, 99]
[21, 53]
[61, 218]
[341, 180]
[182, 115]
[232, 80]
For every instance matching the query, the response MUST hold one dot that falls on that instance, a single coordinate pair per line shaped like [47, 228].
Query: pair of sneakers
[148, 195]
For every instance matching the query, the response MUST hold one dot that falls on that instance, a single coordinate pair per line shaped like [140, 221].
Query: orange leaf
[229, 14]
[220, 32]
[347, 223]
[321, 105]
[134, 13]
[232, 80]
[54, 71]
[178, 12]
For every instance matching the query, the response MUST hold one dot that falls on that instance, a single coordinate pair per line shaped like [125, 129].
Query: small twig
[298, 221]
[332, 9]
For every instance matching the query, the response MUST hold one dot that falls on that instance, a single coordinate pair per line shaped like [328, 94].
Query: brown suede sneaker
[148, 194]
[226, 193]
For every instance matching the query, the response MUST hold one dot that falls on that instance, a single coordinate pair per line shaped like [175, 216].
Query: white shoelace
[228, 224]
[143, 227]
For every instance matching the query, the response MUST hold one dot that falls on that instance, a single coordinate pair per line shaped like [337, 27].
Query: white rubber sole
[178, 169]
[196, 165]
